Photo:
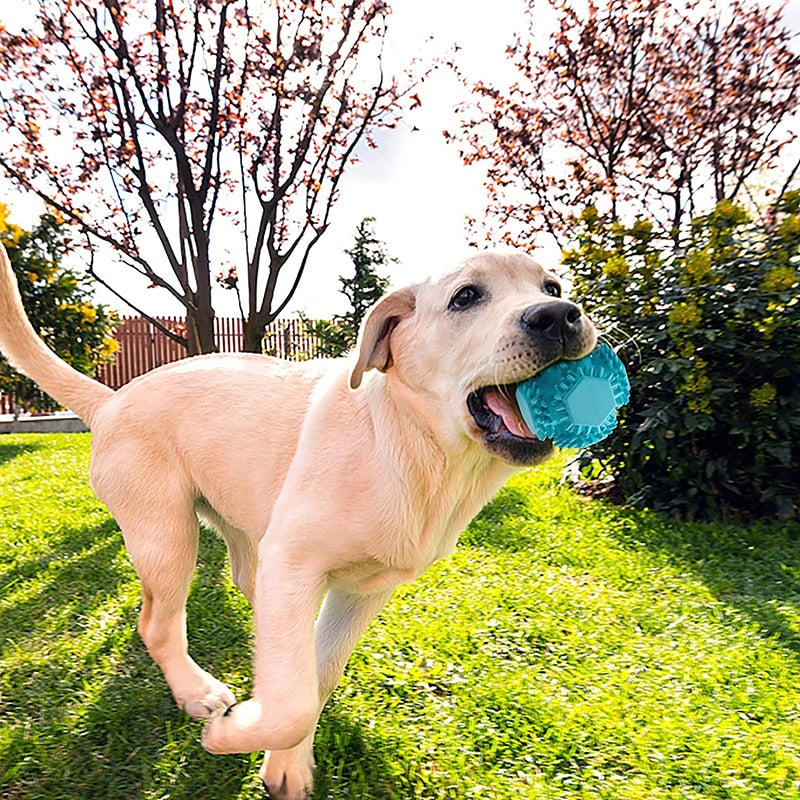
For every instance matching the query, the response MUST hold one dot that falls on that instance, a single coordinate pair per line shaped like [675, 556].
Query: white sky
[414, 184]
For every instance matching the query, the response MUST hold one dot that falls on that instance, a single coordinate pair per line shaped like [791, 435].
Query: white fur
[331, 483]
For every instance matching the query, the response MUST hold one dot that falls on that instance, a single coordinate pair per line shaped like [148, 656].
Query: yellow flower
[616, 267]
[697, 267]
[108, 348]
[589, 216]
[642, 229]
[697, 388]
[685, 314]
[570, 256]
[779, 279]
[10, 234]
[789, 229]
[88, 312]
[763, 396]
[730, 212]
[700, 405]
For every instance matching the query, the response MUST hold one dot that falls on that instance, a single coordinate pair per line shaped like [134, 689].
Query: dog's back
[224, 426]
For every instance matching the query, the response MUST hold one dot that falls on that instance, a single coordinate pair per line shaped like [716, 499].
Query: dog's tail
[27, 353]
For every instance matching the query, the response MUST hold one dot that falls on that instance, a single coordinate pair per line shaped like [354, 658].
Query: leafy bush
[710, 328]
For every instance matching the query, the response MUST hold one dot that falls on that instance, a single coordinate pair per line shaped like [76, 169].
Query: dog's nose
[558, 320]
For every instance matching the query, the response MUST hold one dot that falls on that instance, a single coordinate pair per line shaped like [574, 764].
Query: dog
[331, 481]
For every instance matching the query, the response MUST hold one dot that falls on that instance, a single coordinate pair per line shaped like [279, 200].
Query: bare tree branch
[633, 104]
[182, 112]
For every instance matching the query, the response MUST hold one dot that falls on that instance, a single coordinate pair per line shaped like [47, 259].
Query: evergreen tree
[363, 290]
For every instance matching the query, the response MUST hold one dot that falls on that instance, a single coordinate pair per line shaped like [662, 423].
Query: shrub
[709, 325]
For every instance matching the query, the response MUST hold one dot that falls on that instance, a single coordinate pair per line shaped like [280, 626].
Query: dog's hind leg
[163, 549]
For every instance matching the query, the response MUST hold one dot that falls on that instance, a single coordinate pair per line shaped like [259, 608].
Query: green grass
[568, 649]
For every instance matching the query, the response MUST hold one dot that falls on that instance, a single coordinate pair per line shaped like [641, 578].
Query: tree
[163, 116]
[634, 105]
[58, 302]
[363, 290]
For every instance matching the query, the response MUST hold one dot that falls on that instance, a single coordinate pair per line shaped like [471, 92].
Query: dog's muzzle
[556, 325]
[551, 331]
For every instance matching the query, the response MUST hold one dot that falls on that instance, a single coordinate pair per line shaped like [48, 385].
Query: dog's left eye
[465, 298]
[553, 289]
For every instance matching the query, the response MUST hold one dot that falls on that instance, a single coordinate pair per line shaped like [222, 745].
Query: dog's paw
[210, 737]
[235, 729]
[289, 774]
[250, 726]
[203, 696]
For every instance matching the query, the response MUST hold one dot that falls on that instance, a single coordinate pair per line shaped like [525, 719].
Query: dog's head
[456, 348]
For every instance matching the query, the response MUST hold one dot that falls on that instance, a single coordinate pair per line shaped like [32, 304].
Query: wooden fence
[143, 347]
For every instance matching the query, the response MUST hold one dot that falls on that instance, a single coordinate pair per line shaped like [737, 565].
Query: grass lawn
[569, 649]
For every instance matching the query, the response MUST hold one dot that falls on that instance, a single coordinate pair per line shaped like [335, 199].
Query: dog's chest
[370, 577]
[397, 556]
[411, 539]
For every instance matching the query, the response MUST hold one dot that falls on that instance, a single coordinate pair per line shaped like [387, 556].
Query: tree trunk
[254, 328]
[200, 332]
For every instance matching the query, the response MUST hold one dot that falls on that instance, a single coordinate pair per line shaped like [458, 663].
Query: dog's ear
[374, 341]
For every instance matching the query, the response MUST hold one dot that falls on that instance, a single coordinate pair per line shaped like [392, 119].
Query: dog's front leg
[288, 774]
[285, 703]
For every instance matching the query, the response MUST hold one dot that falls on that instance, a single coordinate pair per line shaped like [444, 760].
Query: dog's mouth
[495, 410]
[505, 433]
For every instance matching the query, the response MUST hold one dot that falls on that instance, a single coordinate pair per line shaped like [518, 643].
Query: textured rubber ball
[575, 403]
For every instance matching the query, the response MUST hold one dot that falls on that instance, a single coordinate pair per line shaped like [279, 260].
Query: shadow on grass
[490, 528]
[86, 713]
[73, 573]
[753, 569]
[91, 717]
[11, 450]
[353, 764]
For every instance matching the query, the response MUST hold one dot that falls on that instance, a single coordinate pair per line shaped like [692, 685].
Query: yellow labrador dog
[331, 481]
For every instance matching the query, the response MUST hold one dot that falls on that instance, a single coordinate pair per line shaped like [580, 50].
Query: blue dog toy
[575, 403]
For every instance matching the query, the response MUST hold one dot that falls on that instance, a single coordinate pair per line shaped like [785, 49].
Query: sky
[414, 184]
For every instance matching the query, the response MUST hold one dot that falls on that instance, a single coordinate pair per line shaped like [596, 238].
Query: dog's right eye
[465, 297]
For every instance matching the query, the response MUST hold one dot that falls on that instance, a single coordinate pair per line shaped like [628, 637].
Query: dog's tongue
[498, 404]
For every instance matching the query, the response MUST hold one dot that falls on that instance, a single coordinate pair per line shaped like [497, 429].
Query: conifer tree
[362, 291]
